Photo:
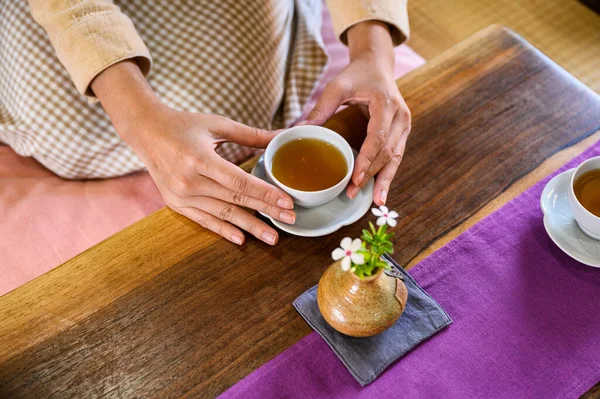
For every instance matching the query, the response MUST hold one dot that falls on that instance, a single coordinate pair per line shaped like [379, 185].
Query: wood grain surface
[167, 309]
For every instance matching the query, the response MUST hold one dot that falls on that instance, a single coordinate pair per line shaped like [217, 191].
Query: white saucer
[327, 218]
[560, 225]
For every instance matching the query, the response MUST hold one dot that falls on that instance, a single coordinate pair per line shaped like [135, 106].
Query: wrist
[371, 39]
[127, 98]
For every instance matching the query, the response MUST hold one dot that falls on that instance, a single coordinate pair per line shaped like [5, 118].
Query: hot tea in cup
[587, 191]
[311, 163]
[584, 197]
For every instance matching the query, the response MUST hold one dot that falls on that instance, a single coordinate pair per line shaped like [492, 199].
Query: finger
[386, 175]
[382, 115]
[383, 181]
[213, 224]
[235, 179]
[237, 216]
[215, 190]
[333, 96]
[352, 190]
[386, 154]
[243, 134]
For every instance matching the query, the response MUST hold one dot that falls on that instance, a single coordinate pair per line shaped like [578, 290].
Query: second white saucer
[562, 227]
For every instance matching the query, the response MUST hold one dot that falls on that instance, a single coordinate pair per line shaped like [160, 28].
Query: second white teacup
[587, 221]
[310, 199]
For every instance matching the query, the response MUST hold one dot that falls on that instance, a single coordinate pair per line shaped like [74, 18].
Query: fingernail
[353, 191]
[237, 239]
[302, 123]
[287, 217]
[269, 237]
[383, 196]
[285, 203]
[359, 178]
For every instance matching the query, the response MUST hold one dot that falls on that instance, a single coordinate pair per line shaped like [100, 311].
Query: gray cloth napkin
[367, 358]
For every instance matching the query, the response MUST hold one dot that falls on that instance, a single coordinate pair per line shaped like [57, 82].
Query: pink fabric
[47, 220]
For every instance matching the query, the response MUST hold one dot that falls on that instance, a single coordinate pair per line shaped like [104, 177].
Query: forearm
[126, 97]
[371, 38]
[345, 14]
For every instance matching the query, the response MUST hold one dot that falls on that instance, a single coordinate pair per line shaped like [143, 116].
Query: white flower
[348, 253]
[385, 216]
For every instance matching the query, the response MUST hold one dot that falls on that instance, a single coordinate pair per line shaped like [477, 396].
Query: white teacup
[310, 199]
[587, 221]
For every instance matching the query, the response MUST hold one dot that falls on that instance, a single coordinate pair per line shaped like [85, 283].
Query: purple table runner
[526, 322]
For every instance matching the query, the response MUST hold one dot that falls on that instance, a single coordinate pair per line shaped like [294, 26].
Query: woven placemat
[565, 30]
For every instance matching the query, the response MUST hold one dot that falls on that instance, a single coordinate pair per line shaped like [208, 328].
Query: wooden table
[167, 309]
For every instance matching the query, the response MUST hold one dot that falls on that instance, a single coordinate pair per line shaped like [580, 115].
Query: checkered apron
[254, 61]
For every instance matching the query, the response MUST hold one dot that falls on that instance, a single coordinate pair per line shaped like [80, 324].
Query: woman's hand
[369, 81]
[178, 149]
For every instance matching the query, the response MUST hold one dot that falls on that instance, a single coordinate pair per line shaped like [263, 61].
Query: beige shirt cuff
[92, 45]
[346, 13]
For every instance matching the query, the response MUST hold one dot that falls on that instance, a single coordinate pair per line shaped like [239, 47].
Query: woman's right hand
[178, 148]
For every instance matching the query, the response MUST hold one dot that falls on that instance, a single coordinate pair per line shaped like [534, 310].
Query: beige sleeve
[346, 13]
[89, 36]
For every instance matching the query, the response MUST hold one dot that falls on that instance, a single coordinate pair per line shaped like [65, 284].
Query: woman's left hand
[369, 81]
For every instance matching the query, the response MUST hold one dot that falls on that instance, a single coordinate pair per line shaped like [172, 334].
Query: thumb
[239, 133]
[333, 96]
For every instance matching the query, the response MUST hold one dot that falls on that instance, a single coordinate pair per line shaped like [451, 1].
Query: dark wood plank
[484, 114]
[594, 5]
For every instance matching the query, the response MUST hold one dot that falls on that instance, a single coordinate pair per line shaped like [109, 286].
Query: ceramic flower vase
[360, 307]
